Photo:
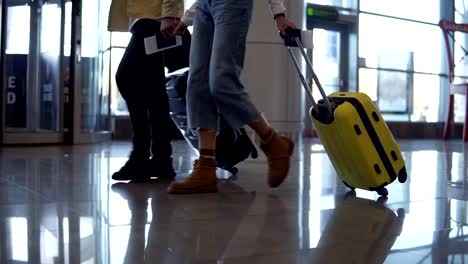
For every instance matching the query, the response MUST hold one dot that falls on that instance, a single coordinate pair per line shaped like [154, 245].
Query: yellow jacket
[122, 10]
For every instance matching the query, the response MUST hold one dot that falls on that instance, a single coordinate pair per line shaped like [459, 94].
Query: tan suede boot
[278, 150]
[201, 180]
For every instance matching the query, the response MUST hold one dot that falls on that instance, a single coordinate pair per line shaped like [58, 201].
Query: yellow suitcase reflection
[354, 134]
[359, 231]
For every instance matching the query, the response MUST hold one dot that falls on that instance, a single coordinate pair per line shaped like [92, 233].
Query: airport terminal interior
[65, 129]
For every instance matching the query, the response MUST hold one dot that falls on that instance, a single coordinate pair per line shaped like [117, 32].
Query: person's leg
[201, 108]
[127, 79]
[153, 82]
[234, 104]
[232, 20]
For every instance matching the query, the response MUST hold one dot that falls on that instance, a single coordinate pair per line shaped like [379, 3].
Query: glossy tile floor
[58, 205]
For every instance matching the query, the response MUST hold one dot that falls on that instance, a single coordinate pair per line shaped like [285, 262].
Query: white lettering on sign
[11, 98]
[12, 82]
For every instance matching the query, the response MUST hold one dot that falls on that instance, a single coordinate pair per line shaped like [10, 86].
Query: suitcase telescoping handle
[292, 40]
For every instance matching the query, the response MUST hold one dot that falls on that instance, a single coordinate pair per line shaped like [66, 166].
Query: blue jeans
[216, 62]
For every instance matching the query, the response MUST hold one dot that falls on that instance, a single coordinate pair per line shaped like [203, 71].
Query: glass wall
[16, 59]
[32, 62]
[460, 52]
[36, 67]
[418, 10]
[400, 54]
[113, 55]
[95, 95]
[49, 66]
[327, 54]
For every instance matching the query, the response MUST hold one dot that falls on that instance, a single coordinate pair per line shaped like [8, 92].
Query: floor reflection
[359, 231]
[58, 205]
[177, 232]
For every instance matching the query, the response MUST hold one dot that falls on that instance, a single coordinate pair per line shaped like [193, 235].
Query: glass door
[32, 67]
[88, 91]
[328, 60]
[334, 53]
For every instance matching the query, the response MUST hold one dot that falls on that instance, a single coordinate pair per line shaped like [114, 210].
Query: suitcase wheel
[382, 192]
[402, 175]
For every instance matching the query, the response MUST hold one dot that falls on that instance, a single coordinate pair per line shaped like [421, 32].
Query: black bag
[232, 147]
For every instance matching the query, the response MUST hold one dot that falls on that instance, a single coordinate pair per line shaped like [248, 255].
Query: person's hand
[283, 23]
[168, 25]
[179, 29]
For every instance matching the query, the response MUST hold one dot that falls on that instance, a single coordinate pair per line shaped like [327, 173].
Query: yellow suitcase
[359, 143]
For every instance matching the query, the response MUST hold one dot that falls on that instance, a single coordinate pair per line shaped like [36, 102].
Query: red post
[449, 120]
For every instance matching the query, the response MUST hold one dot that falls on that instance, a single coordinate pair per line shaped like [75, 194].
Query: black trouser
[141, 82]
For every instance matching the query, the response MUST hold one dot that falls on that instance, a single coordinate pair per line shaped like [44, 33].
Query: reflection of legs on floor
[158, 249]
[137, 200]
[276, 230]
[136, 240]
[209, 228]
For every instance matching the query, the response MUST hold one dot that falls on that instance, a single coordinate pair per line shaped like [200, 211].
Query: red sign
[452, 26]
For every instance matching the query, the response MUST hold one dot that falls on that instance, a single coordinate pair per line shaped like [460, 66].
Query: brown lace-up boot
[201, 180]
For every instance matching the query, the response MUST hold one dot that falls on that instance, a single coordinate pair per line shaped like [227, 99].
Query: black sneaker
[161, 168]
[136, 169]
